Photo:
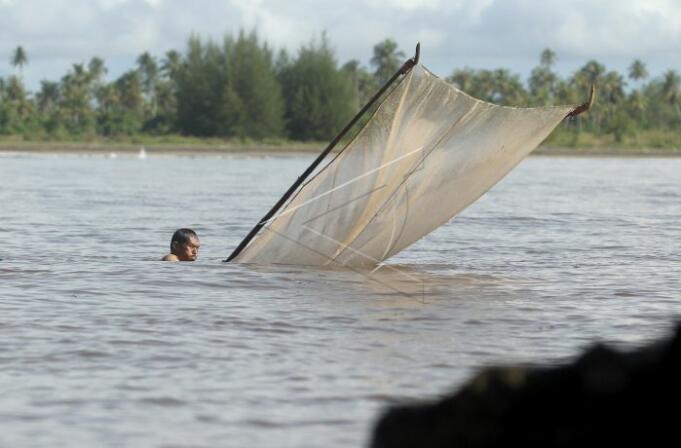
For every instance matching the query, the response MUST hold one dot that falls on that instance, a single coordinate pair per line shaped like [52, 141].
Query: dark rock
[605, 398]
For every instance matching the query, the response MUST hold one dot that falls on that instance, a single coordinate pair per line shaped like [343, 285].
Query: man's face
[188, 251]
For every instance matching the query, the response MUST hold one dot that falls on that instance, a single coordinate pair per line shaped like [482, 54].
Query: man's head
[185, 245]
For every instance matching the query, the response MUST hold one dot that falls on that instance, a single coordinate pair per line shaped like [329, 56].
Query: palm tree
[671, 85]
[671, 89]
[19, 59]
[171, 64]
[148, 69]
[542, 79]
[96, 69]
[542, 84]
[508, 89]
[547, 58]
[638, 103]
[48, 97]
[16, 94]
[75, 99]
[15, 90]
[387, 59]
[462, 79]
[613, 87]
[130, 90]
[107, 97]
[592, 73]
[363, 82]
[637, 70]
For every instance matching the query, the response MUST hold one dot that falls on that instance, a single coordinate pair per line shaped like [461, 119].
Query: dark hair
[182, 236]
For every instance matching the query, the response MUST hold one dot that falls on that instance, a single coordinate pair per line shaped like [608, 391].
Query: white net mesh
[429, 151]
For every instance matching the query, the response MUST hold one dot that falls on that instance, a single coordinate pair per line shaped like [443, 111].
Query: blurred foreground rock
[605, 398]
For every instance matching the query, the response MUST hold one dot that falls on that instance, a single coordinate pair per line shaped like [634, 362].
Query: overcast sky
[453, 33]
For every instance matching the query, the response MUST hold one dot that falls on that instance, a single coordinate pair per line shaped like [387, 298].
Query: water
[102, 345]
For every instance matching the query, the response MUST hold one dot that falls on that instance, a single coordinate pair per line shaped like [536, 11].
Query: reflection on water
[102, 345]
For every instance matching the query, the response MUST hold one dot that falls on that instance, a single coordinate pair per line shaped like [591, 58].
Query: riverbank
[222, 147]
[606, 152]
[189, 148]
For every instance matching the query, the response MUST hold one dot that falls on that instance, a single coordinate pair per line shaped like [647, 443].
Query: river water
[103, 345]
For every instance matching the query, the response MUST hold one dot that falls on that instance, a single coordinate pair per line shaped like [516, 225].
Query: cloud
[453, 33]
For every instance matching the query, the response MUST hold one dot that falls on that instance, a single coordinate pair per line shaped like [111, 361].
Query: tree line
[242, 88]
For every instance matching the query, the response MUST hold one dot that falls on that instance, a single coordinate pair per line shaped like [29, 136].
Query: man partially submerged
[184, 246]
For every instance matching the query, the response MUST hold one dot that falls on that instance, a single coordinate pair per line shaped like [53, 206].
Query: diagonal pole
[406, 67]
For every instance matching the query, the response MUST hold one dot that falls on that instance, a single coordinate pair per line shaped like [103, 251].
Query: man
[184, 246]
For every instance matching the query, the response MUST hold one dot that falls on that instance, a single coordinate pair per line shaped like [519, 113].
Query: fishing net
[428, 151]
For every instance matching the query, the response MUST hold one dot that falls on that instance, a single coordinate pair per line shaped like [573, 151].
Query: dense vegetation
[239, 89]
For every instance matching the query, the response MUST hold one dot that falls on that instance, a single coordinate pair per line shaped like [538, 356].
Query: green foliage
[547, 58]
[254, 83]
[237, 89]
[148, 74]
[364, 84]
[203, 91]
[16, 108]
[386, 60]
[76, 112]
[496, 86]
[637, 70]
[318, 95]
[544, 85]
[121, 106]
[620, 125]
[165, 92]
[19, 58]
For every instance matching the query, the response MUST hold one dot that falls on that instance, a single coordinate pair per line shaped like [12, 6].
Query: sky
[453, 33]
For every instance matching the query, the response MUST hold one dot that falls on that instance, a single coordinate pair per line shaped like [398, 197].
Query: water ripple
[102, 345]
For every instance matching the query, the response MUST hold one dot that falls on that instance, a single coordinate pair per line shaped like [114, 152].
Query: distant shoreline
[281, 148]
[159, 148]
[606, 152]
